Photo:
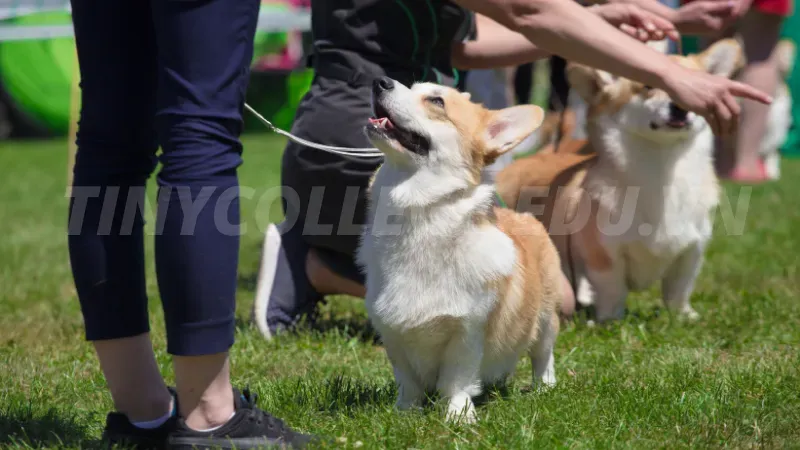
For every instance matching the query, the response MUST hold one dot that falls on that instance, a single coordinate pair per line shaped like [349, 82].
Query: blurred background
[38, 71]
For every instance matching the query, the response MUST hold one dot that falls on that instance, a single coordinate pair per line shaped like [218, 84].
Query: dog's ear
[723, 58]
[785, 53]
[587, 81]
[466, 95]
[508, 127]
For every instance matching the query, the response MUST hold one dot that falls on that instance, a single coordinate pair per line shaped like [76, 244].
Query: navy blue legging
[169, 74]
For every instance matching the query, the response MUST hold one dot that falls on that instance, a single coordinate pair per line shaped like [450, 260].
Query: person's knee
[198, 151]
[114, 149]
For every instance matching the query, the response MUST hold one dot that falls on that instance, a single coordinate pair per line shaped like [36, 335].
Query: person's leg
[523, 83]
[326, 280]
[559, 86]
[311, 252]
[116, 154]
[205, 49]
[760, 33]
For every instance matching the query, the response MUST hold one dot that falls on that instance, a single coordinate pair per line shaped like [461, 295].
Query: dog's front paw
[461, 410]
[688, 313]
[408, 397]
[403, 404]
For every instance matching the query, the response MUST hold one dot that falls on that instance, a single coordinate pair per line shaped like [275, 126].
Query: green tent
[791, 147]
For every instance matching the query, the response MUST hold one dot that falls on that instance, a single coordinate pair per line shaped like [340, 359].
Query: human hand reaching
[637, 22]
[711, 96]
[705, 16]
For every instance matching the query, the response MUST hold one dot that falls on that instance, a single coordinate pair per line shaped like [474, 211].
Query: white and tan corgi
[635, 207]
[779, 120]
[457, 289]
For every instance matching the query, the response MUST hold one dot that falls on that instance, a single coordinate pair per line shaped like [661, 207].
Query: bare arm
[567, 29]
[700, 17]
[560, 27]
[496, 46]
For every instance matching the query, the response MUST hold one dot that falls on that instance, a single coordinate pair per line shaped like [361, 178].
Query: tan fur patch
[533, 291]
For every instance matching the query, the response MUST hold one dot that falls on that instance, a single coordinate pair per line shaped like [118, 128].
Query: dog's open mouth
[677, 124]
[671, 124]
[383, 126]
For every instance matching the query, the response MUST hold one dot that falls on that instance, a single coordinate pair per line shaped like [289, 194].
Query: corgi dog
[636, 205]
[457, 289]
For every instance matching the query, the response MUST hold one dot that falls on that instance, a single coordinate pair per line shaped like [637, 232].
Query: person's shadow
[22, 427]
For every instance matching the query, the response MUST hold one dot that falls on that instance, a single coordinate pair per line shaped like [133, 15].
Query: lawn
[731, 380]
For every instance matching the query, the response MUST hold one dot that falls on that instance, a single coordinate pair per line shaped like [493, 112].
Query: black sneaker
[249, 428]
[119, 431]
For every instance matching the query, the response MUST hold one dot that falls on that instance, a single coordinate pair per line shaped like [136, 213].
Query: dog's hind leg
[772, 165]
[610, 291]
[459, 373]
[541, 353]
[678, 283]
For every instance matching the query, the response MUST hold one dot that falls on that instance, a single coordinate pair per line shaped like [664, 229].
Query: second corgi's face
[438, 129]
[645, 111]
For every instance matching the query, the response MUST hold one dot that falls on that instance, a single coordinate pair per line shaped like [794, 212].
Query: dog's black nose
[382, 84]
[677, 113]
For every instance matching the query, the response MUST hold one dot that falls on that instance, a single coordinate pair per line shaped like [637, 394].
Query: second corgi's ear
[785, 54]
[508, 127]
[587, 81]
[723, 58]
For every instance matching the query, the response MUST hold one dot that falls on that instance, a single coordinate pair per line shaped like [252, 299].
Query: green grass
[730, 380]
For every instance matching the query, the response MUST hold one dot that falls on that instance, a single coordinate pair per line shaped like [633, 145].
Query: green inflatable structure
[36, 77]
[37, 74]
[791, 30]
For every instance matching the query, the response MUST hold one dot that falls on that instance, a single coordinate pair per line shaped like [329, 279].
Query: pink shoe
[737, 175]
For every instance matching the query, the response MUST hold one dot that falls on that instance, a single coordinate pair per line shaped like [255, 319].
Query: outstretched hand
[705, 16]
[636, 21]
[711, 96]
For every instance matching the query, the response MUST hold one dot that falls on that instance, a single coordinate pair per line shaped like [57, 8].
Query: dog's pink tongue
[382, 122]
[677, 123]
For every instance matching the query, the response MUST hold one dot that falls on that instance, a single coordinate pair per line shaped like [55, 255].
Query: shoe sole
[270, 251]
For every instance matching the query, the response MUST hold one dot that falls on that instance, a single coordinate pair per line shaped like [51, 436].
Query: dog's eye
[438, 101]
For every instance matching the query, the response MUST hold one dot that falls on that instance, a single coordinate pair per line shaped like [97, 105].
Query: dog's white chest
[416, 277]
[437, 264]
[662, 222]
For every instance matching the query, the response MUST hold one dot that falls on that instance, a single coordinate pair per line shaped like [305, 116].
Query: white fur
[656, 191]
[779, 121]
[427, 276]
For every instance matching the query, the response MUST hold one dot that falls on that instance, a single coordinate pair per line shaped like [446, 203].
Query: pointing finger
[746, 91]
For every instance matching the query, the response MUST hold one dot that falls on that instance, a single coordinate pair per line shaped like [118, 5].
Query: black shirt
[410, 40]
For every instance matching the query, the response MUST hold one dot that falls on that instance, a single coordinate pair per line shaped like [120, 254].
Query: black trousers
[169, 74]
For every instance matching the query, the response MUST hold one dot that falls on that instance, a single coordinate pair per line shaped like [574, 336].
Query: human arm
[495, 46]
[699, 17]
[560, 27]
[498, 46]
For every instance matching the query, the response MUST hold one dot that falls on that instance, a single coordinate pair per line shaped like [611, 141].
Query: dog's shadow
[352, 327]
[347, 395]
[53, 429]
[585, 315]
[343, 394]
